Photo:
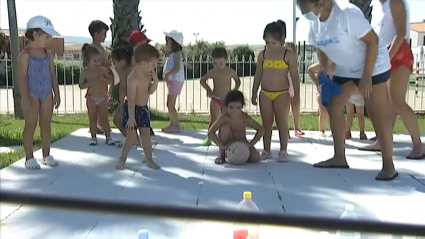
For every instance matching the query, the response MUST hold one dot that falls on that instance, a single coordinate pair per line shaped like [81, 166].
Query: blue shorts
[376, 79]
[141, 115]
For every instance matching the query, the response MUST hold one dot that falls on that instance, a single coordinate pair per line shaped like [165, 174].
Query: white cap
[43, 23]
[176, 36]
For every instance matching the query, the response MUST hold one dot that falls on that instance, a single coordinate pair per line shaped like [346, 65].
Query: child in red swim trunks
[221, 76]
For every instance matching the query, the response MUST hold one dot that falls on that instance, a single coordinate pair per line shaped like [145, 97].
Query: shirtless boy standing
[232, 124]
[141, 83]
[222, 76]
[136, 38]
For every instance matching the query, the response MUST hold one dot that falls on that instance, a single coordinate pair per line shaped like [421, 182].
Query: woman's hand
[365, 86]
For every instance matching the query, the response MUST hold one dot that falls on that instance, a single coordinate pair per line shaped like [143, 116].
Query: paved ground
[190, 177]
[192, 99]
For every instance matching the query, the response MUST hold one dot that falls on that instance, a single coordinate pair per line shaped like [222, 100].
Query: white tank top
[385, 26]
[169, 65]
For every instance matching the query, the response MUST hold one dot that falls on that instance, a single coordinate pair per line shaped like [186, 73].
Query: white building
[417, 34]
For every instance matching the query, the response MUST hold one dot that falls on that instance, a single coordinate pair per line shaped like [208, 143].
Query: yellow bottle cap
[247, 195]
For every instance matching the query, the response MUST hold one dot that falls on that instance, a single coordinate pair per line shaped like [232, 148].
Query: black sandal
[219, 160]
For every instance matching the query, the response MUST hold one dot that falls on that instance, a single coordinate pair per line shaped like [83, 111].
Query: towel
[329, 88]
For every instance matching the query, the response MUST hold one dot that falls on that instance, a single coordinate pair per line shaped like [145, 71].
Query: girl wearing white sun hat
[39, 88]
[173, 74]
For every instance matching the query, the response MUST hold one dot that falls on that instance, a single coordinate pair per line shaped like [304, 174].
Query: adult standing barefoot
[339, 30]
[394, 32]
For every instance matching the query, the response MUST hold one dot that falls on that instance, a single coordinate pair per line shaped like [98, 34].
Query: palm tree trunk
[365, 6]
[126, 19]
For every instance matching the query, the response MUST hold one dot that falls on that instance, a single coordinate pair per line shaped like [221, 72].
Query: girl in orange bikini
[273, 65]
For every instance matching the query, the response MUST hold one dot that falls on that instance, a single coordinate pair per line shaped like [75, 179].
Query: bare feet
[299, 133]
[348, 135]
[283, 156]
[220, 160]
[264, 155]
[386, 175]
[322, 134]
[375, 147]
[332, 163]
[172, 129]
[151, 164]
[417, 153]
[121, 163]
[363, 136]
[165, 128]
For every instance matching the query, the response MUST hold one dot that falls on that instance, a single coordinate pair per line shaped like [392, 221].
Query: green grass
[11, 129]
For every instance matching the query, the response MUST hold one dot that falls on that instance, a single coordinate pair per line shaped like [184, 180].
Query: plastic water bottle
[246, 231]
[324, 235]
[351, 215]
[143, 234]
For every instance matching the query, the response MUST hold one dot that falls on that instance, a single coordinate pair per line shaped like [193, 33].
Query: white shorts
[357, 100]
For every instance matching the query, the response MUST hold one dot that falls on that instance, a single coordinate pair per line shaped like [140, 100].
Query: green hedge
[199, 62]
[66, 75]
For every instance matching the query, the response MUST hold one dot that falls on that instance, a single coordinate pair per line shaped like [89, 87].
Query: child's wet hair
[175, 47]
[97, 26]
[122, 53]
[219, 52]
[234, 96]
[276, 29]
[88, 51]
[145, 52]
[29, 33]
[292, 46]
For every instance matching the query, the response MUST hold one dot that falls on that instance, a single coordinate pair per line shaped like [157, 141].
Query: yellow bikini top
[274, 64]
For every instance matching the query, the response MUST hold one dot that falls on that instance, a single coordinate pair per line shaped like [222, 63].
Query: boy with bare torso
[141, 83]
[221, 75]
[232, 124]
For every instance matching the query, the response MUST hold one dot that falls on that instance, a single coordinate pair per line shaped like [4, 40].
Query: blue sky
[232, 21]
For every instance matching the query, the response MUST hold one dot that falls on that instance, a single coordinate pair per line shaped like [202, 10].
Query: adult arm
[398, 11]
[323, 58]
